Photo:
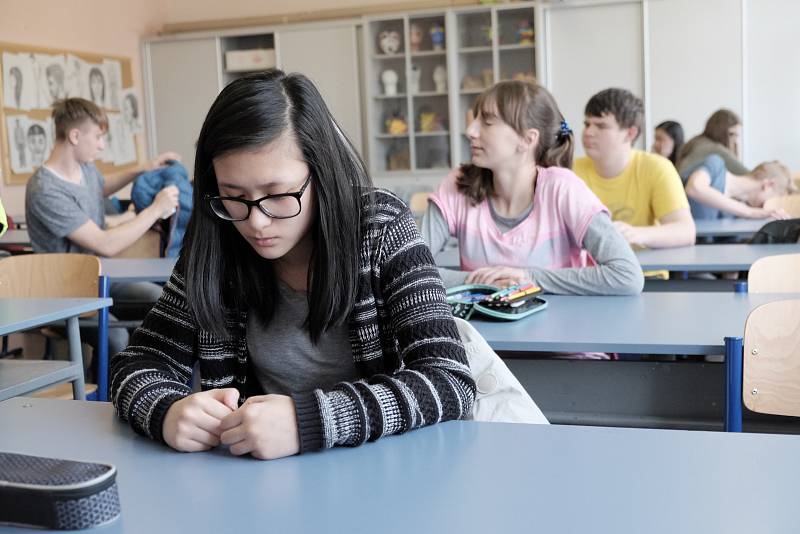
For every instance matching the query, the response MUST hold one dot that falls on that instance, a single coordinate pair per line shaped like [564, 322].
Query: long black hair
[222, 269]
[675, 131]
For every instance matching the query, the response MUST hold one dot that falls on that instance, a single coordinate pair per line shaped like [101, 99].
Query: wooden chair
[789, 203]
[50, 276]
[775, 274]
[771, 367]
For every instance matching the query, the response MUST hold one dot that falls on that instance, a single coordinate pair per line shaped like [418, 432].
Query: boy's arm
[675, 229]
[115, 182]
[114, 240]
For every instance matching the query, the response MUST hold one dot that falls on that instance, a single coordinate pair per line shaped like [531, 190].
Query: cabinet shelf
[389, 97]
[423, 94]
[475, 50]
[428, 53]
[432, 134]
[516, 47]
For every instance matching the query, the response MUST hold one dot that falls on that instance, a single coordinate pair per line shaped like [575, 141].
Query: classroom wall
[112, 27]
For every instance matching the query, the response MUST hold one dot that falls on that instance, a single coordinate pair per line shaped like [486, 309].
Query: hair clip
[565, 130]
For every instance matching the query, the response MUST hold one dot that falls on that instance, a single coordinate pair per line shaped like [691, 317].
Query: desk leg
[733, 384]
[102, 344]
[76, 357]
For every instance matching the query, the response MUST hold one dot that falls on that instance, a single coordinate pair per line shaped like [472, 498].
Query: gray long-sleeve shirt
[617, 271]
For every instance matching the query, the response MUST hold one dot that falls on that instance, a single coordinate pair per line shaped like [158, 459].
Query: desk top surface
[453, 477]
[137, 269]
[737, 257]
[649, 323]
[728, 227]
[22, 314]
[15, 237]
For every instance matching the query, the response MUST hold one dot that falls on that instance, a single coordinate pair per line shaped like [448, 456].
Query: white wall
[772, 114]
[591, 48]
[695, 60]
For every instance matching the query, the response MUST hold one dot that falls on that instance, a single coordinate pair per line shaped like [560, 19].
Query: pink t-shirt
[550, 237]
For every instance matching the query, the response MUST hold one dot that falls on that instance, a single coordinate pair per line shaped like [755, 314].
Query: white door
[329, 57]
[184, 80]
[590, 48]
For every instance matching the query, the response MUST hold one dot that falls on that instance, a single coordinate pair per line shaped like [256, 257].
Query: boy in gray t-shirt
[64, 204]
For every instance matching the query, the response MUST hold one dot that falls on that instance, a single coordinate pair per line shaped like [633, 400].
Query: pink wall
[113, 27]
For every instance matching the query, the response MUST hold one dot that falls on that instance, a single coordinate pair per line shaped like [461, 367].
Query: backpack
[786, 231]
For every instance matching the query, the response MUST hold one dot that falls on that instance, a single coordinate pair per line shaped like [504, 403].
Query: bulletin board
[33, 78]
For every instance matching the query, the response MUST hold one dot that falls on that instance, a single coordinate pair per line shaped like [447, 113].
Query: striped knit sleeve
[155, 369]
[433, 382]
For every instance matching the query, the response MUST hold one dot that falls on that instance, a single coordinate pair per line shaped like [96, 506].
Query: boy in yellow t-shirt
[643, 191]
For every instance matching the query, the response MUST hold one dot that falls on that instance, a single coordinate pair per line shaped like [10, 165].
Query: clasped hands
[264, 426]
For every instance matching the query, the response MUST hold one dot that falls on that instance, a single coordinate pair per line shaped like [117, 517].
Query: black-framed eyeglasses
[280, 206]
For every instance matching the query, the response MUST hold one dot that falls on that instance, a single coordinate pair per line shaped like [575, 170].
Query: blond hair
[779, 174]
[73, 112]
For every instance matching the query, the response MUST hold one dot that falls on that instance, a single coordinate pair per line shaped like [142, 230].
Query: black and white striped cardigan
[406, 348]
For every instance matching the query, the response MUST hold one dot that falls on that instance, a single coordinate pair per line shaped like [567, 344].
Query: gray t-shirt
[54, 208]
[284, 358]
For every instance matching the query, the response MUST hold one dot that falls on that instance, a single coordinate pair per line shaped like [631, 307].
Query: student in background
[668, 140]
[519, 212]
[642, 190]
[721, 137]
[300, 288]
[715, 192]
[64, 204]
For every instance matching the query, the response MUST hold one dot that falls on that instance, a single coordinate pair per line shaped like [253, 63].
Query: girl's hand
[193, 423]
[161, 160]
[774, 213]
[498, 276]
[264, 426]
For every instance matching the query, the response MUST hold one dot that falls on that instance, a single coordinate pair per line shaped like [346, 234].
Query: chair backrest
[49, 276]
[771, 370]
[419, 201]
[789, 203]
[775, 274]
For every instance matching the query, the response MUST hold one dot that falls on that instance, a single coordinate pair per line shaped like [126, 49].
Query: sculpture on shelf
[430, 121]
[415, 37]
[524, 77]
[471, 83]
[389, 80]
[396, 124]
[486, 33]
[397, 158]
[389, 42]
[440, 79]
[488, 77]
[437, 36]
[525, 33]
[413, 81]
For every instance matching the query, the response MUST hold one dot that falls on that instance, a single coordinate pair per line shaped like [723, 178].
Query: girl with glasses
[308, 298]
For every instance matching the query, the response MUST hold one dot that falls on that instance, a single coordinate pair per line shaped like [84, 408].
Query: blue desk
[709, 258]
[463, 477]
[137, 269]
[728, 227]
[18, 238]
[21, 377]
[650, 323]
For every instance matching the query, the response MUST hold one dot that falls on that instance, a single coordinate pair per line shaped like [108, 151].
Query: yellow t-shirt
[648, 189]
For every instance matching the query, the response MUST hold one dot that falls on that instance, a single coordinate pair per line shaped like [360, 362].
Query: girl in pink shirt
[518, 211]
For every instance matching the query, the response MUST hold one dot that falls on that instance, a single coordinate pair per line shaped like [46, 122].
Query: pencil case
[56, 494]
[470, 300]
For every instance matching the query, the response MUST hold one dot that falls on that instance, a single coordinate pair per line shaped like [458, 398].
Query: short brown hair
[522, 105]
[72, 112]
[627, 108]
